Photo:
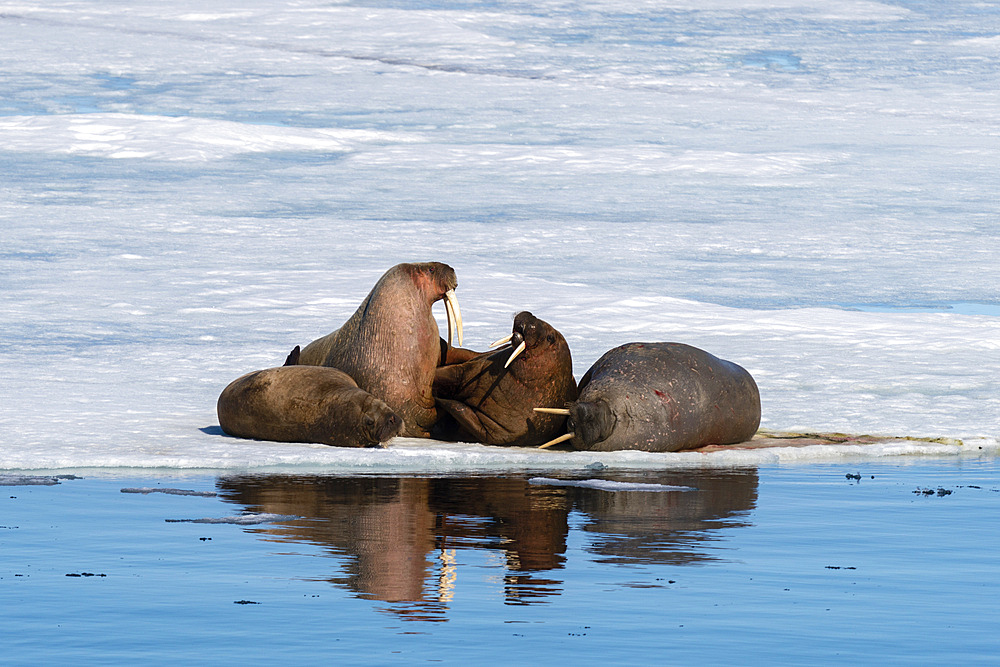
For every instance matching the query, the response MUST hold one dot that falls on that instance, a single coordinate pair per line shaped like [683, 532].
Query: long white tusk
[450, 316]
[553, 411]
[513, 355]
[502, 341]
[454, 313]
[562, 438]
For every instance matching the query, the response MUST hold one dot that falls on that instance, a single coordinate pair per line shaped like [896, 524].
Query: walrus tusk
[562, 438]
[513, 355]
[454, 314]
[502, 341]
[553, 411]
[450, 315]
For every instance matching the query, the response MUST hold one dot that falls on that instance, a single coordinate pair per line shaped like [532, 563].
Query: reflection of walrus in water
[305, 404]
[398, 531]
[661, 397]
[491, 397]
[391, 345]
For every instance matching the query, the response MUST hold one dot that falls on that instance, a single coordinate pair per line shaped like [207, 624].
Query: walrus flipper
[475, 424]
[455, 355]
[293, 357]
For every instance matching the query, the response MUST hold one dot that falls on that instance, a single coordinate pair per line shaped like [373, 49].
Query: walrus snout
[388, 427]
[590, 422]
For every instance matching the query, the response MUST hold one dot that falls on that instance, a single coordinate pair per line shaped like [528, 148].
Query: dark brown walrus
[305, 404]
[391, 345]
[661, 397]
[492, 396]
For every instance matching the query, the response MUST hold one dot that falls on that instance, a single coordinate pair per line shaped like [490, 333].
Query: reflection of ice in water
[606, 485]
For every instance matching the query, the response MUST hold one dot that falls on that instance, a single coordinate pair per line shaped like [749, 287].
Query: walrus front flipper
[293, 357]
[455, 355]
[473, 425]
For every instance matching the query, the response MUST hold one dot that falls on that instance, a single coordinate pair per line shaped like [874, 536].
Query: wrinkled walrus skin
[663, 397]
[305, 404]
[391, 345]
[495, 405]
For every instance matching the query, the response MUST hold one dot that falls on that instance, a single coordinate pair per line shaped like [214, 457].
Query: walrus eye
[550, 338]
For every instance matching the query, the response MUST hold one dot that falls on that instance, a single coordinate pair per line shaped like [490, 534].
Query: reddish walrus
[305, 404]
[661, 397]
[492, 396]
[391, 345]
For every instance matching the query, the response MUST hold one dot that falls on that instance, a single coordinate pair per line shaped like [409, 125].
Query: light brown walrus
[305, 404]
[492, 396]
[391, 345]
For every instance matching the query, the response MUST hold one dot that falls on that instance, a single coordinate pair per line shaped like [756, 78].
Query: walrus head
[438, 281]
[529, 336]
[378, 423]
[587, 423]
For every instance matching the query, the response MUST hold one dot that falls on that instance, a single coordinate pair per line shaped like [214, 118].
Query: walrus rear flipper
[293, 357]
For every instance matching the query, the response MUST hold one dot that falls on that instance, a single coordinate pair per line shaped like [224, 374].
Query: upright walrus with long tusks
[391, 345]
[491, 397]
[305, 404]
[660, 397]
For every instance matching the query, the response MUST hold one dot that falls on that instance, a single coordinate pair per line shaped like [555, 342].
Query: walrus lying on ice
[305, 404]
[661, 397]
[391, 345]
[491, 397]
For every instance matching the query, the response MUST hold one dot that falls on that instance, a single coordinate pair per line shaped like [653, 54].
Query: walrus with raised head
[661, 397]
[391, 345]
[305, 404]
[492, 396]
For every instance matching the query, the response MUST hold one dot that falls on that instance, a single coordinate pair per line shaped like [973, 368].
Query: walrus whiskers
[562, 438]
[513, 355]
[454, 314]
[554, 411]
[502, 341]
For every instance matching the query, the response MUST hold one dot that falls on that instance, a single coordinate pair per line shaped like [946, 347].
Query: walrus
[305, 404]
[661, 397]
[391, 345]
[492, 396]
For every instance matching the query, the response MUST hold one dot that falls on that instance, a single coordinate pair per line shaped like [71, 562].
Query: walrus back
[316, 352]
[289, 404]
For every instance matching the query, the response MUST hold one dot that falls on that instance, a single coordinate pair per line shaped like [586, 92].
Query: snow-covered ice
[805, 187]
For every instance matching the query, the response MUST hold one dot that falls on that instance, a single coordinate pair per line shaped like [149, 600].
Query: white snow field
[805, 187]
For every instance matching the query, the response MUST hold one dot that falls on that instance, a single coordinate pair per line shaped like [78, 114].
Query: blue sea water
[818, 564]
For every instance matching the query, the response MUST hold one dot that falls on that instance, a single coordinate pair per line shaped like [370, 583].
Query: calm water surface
[894, 562]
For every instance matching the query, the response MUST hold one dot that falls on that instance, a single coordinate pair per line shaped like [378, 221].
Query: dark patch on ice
[85, 574]
[172, 492]
[839, 567]
[244, 602]
[213, 430]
